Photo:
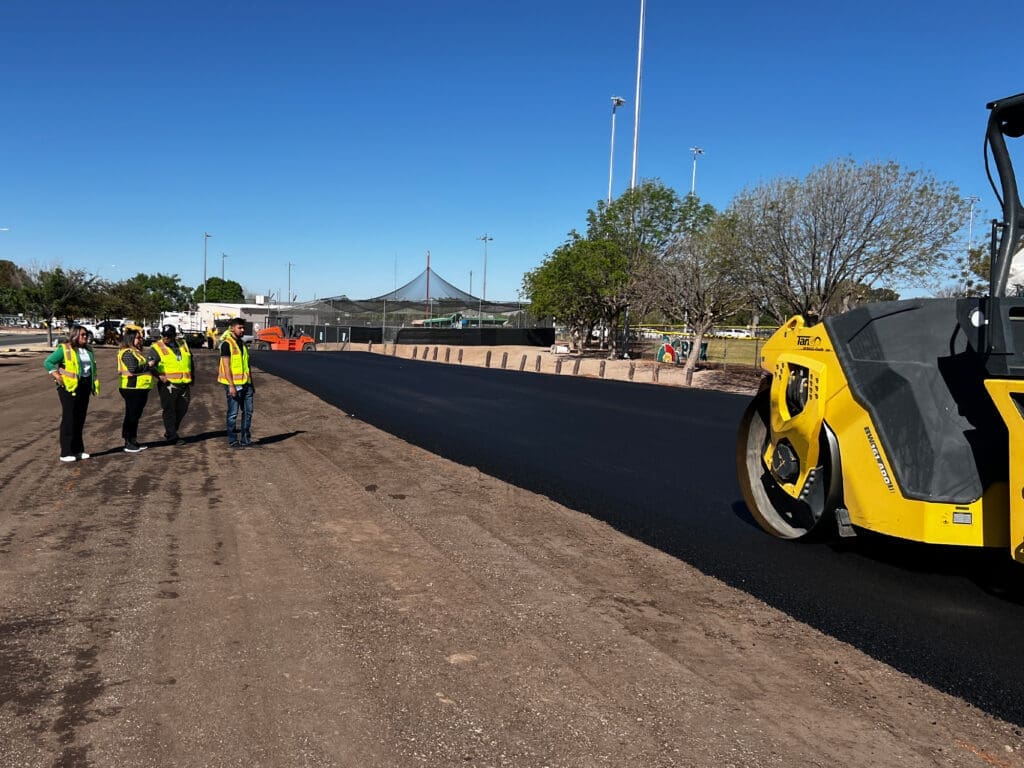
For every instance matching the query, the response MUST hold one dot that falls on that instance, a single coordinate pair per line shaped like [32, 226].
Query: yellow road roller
[904, 418]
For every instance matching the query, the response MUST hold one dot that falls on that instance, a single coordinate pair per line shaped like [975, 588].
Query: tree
[13, 280]
[845, 224]
[850, 295]
[972, 277]
[59, 293]
[144, 297]
[166, 290]
[643, 224]
[573, 285]
[702, 280]
[219, 290]
[648, 218]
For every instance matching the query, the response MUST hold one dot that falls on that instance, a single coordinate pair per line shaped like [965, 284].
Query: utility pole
[290, 265]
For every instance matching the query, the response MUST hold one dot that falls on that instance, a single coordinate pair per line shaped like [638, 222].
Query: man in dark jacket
[175, 371]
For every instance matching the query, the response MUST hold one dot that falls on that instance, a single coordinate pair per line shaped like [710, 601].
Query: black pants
[73, 409]
[175, 406]
[134, 405]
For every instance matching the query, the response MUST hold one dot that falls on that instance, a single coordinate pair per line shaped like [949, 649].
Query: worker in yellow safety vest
[234, 374]
[73, 368]
[175, 373]
[134, 380]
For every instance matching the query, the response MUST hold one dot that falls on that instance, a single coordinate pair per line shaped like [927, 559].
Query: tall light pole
[973, 200]
[483, 296]
[222, 257]
[616, 103]
[290, 265]
[636, 140]
[206, 236]
[636, 106]
[693, 179]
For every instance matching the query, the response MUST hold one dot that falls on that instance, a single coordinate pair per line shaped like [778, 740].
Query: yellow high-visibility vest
[177, 371]
[239, 361]
[70, 371]
[126, 381]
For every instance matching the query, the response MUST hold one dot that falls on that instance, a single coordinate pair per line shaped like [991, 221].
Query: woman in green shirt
[73, 368]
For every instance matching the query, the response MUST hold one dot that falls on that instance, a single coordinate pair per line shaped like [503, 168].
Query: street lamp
[636, 106]
[290, 265]
[693, 179]
[483, 296]
[616, 103]
[206, 236]
[222, 257]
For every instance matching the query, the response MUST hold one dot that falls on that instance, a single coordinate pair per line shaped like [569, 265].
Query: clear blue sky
[343, 137]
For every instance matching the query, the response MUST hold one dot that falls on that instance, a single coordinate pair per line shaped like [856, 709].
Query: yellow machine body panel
[1008, 396]
[871, 491]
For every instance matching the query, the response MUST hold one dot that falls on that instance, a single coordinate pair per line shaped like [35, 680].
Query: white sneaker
[83, 455]
[68, 459]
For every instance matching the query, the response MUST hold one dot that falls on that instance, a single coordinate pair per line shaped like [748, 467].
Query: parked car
[734, 333]
[92, 332]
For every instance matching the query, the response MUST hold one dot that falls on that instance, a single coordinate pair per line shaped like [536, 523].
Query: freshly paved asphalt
[658, 464]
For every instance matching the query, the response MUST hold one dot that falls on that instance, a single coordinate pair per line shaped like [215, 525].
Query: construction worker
[73, 368]
[134, 380]
[234, 374]
[175, 372]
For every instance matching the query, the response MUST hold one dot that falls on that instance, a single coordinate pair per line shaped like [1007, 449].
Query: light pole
[290, 265]
[636, 139]
[206, 236]
[222, 257]
[616, 103]
[636, 106]
[693, 179]
[483, 296]
[973, 200]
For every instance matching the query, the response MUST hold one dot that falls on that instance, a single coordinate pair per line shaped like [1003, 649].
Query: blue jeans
[243, 398]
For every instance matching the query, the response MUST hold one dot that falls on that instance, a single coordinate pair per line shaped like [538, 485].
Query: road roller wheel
[774, 509]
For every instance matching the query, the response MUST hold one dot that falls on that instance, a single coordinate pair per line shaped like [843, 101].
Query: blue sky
[346, 138]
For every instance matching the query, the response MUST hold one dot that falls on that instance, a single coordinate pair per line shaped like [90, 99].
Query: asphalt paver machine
[904, 418]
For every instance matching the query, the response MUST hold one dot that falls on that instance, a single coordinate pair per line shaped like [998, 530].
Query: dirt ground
[340, 598]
